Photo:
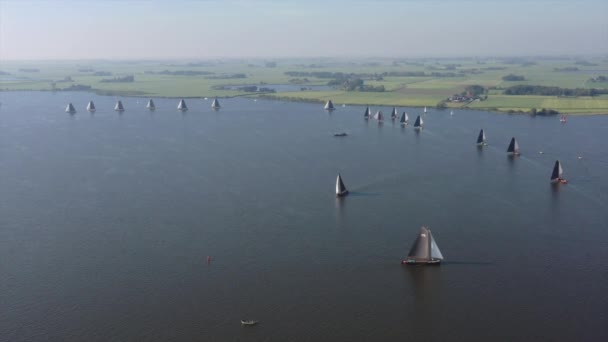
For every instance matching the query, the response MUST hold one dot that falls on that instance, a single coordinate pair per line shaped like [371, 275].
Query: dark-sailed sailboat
[366, 114]
[425, 250]
[182, 105]
[70, 108]
[394, 113]
[379, 116]
[481, 138]
[558, 172]
[340, 187]
[419, 123]
[119, 107]
[329, 105]
[91, 107]
[151, 105]
[215, 104]
[404, 119]
[513, 148]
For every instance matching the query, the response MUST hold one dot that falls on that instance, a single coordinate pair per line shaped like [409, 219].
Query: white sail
[91, 106]
[150, 105]
[406, 117]
[182, 105]
[425, 109]
[435, 252]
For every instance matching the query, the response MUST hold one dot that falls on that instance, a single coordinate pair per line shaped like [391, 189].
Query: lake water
[106, 221]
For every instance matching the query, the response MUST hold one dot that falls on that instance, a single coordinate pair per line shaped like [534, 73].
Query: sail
[182, 105]
[379, 116]
[418, 122]
[513, 146]
[425, 109]
[91, 106]
[70, 108]
[215, 104]
[367, 112]
[329, 105]
[340, 187]
[403, 118]
[435, 252]
[119, 106]
[481, 138]
[394, 113]
[557, 171]
[150, 104]
[422, 246]
[407, 118]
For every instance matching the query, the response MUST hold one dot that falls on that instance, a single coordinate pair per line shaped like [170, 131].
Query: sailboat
[424, 109]
[182, 105]
[425, 250]
[513, 148]
[394, 113]
[418, 124]
[340, 188]
[70, 108]
[119, 107]
[366, 114]
[451, 112]
[404, 119]
[151, 105]
[558, 172]
[329, 105]
[215, 104]
[481, 138]
[91, 107]
[379, 116]
[562, 119]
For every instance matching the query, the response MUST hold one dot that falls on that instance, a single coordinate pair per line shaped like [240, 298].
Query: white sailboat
[558, 173]
[424, 250]
[119, 107]
[404, 118]
[329, 105]
[215, 104]
[340, 187]
[513, 148]
[424, 109]
[91, 107]
[394, 113]
[182, 106]
[150, 105]
[481, 138]
[379, 116]
[366, 115]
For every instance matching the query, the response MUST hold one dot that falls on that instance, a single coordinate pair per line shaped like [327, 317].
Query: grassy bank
[403, 84]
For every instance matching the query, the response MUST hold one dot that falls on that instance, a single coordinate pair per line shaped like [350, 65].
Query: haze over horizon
[157, 29]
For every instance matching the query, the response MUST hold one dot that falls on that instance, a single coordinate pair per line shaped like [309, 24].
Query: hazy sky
[69, 29]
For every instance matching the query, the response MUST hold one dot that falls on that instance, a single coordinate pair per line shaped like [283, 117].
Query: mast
[151, 105]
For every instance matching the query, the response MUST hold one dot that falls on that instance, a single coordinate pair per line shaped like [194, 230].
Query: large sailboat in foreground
[513, 148]
[425, 250]
[557, 174]
[340, 187]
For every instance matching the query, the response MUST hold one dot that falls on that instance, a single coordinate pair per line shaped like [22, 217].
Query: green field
[425, 90]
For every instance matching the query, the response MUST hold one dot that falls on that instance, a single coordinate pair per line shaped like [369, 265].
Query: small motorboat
[248, 322]
[340, 134]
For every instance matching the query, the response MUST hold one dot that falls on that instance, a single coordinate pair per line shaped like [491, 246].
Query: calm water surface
[106, 221]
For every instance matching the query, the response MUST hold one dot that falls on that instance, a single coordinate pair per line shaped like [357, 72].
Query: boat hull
[420, 262]
[342, 194]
